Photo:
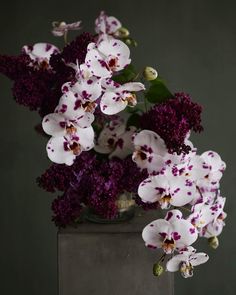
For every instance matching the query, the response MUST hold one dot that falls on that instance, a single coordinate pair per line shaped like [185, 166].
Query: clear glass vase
[126, 211]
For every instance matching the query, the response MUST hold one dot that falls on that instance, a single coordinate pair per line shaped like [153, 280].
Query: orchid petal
[112, 104]
[153, 233]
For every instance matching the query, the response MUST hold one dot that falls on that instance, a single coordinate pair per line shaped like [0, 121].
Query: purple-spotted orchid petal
[61, 28]
[215, 164]
[40, 52]
[86, 89]
[64, 149]
[215, 227]
[150, 151]
[186, 261]
[106, 24]
[207, 213]
[57, 124]
[169, 235]
[107, 57]
[115, 140]
[74, 108]
[117, 97]
[109, 136]
[124, 145]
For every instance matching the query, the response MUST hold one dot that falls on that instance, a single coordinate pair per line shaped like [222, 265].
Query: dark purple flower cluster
[173, 119]
[56, 177]
[95, 182]
[66, 210]
[14, 66]
[77, 49]
[39, 86]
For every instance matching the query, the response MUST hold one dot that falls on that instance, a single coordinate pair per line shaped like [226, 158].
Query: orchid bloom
[167, 190]
[115, 139]
[78, 101]
[205, 213]
[61, 28]
[40, 52]
[107, 24]
[117, 96]
[170, 234]
[215, 227]
[107, 57]
[75, 110]
[216, 166]
[150, 151]
[64, 149]
[186, 261]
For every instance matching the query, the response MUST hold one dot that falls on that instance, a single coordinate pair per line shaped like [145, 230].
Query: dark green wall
[193, 45]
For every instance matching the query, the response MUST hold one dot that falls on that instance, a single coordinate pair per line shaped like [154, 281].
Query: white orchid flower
[40, 52]
[207, 213]
[75, 110]
[167, 190]
[169, 235]
[150, 151]
[115, 140]
[215, 227]
[61, 28]
[215, 164]
[116, 96]
[64, 149]
[186, 261]
[106, 24]
[107, 57]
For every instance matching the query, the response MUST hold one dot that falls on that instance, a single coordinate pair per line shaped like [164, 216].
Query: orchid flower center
[75, 147]
[138, 154]
[89, 106]
[186, 269]
[131, 99]
[112, 63]
[165, 202]
[111, 142]
[72, 146]
[168, 245]
[71, 129]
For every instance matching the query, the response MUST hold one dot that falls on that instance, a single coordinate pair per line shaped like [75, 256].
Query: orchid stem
[65, 37]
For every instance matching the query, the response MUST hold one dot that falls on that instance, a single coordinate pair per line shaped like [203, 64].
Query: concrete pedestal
[98, 259]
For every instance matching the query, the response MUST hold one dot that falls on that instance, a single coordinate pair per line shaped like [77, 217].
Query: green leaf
[134, 120]
[158, 92]
[126, 75]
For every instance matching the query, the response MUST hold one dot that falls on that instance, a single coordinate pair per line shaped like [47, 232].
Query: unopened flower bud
[122, 32]
[128, 41]
[157, 269]
[150, 74]
[213, 242]
[131, 42]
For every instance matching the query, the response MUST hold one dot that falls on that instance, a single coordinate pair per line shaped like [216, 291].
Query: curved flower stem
[66, 37]
[199, 191]
[162, 258]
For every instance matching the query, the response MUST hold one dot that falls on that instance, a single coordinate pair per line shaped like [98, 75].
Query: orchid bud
[150, 74]
[157, 269]
[213, 242]
[122, 32]
[131, 42]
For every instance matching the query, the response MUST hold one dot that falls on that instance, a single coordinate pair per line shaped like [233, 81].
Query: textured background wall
[193, 45]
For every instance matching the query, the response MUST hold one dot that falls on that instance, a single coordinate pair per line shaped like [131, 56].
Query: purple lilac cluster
[92, 181]
[173, 120]
[39, 87]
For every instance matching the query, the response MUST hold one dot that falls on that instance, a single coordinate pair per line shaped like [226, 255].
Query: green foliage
[126, 75]
[158, 92]
[134, 120]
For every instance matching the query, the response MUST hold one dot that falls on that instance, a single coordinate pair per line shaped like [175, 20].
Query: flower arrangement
[112, 130]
